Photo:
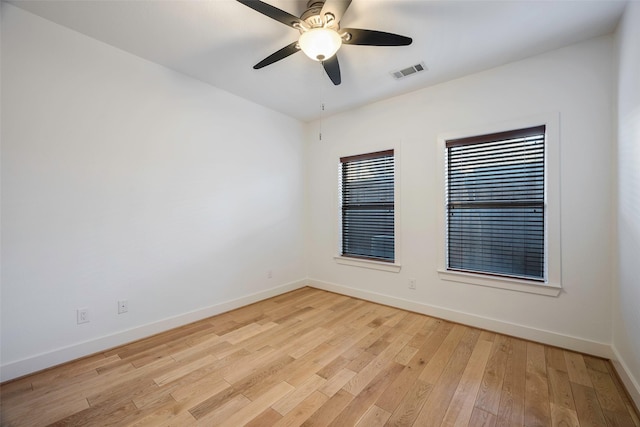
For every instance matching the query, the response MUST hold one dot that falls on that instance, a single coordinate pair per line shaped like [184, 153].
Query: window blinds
[495, 203]
[367, 204]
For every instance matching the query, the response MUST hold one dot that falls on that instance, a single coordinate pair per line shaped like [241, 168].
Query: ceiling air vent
[405, 72]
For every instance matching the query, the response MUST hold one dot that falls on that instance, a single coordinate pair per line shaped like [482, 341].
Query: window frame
[465, 191]
[357, 206]
[552, 283]
[363, 262]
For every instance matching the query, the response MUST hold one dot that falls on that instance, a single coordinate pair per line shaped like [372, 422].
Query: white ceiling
[219, 41]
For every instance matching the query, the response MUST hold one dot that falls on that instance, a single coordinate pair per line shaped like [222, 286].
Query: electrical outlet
[412, 284]
[269, 274]
[82, 315]
[123, 306]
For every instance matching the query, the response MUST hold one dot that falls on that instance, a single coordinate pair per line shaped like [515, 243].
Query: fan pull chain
[321, 102]
[321, 113]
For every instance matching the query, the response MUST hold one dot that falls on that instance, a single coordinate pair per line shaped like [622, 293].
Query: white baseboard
[65, 354]
[521, 331]
[632, 385]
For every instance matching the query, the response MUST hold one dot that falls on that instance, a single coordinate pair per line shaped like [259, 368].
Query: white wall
[626, 313]
[124, 180]
[575, 82]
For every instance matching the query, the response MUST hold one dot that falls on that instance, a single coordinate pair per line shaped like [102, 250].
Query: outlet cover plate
[82, 315]
[123, 306]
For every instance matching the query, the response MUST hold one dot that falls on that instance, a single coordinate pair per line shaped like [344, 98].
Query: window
[495, 204]
[367, 206]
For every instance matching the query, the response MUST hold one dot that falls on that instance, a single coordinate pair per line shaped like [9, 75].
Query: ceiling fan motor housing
[313, 18]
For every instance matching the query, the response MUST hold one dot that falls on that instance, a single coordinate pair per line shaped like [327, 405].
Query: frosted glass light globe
[320, 44]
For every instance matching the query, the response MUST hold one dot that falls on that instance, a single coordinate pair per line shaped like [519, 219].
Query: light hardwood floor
[316, 358]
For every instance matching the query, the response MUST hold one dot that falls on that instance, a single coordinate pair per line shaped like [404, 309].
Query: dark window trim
[366, 156]
[497, 136]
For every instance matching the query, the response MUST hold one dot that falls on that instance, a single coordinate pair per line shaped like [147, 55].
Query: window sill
[552, 290]
[368, 263]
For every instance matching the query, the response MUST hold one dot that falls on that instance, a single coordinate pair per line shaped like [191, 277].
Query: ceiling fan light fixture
[320, 44]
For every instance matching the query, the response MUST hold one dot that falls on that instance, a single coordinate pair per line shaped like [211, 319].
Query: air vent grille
[405, 72]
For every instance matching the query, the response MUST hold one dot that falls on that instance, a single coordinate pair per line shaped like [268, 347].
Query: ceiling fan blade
[332, 68]
[272, 12]
[335, 7]
[277, 56]
[374, 38]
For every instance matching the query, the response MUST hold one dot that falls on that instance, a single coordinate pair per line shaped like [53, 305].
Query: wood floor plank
[595, 363]
[15, 390]
[391, 398]
[314, 358]
[606, 391]
[577, 369]
[202, 389]
[336, 382]
[618, 419]
[291, 400]
[221, 413]
[555, 358]
[587, 406]
[117, 408]
[303, 410]
[537, 406]
[333, 367]
[622, 392]
[461, 406]
[71, 372]
[183, 385]
[374, 417]
[307, 342]
[56, 388]
[410, 405]
[397, 390]
[439, 399]
[45, 415]
[184, 369]
[204, 347]
[491, 387]
[441, 358]
[113, 384]
[512, 398]
[480, 418]
[330, 410]
[245, 366]
[255, 384]
[405, 355]
[300, 371]
[175, 411]
[165, 419]
[563, 416]
[365, 376]
[367, 396]
[256, 407]
[487, 336]
[560, 392]
[360, 361]
[613, 405]
[268, 417]
[279, 335]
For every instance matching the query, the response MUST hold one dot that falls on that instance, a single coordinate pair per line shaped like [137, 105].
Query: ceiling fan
[321, 35]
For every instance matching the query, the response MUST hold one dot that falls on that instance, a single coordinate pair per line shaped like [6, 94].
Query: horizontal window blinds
[367, 204]
[495, 203]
